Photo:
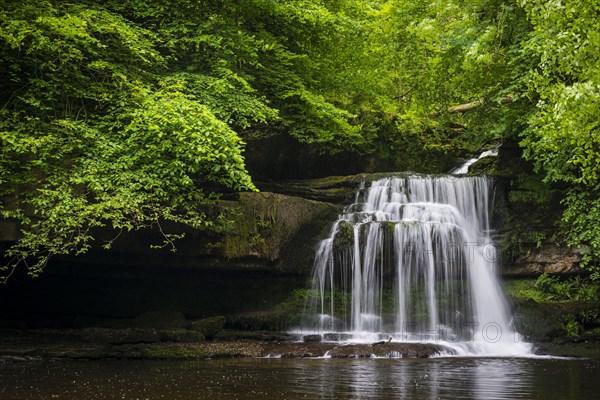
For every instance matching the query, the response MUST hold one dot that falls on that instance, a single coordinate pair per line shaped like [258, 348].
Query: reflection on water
[449, 378]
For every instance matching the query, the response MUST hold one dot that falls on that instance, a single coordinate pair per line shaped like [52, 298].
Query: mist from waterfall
[413, 258]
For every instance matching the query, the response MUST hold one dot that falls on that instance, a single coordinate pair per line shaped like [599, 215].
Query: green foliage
[552, 288]
[94, 137]
[522, 67]
[523, 289]
[121, 114]
[562, 134]
[581, 216]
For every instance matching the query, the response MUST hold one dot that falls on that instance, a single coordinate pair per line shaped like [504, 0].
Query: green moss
[542, 315]
[264, 223]
[181, 335]
[484, 166]
[344, 236]
[523, 289]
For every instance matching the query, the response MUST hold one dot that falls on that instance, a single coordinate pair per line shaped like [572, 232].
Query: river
[438, 378]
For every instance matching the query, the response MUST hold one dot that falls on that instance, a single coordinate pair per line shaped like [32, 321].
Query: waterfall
[413, 258]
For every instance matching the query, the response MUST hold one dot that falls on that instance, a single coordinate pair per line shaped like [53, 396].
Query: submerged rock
[337, 337]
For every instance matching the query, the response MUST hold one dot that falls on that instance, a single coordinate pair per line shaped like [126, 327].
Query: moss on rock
[267, 225]
[541, 319]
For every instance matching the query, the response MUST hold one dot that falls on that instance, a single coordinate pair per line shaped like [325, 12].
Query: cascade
[464, 168]
[413, 258]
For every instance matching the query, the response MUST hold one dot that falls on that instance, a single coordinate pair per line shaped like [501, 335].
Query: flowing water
[464, 168]
[412, 258]
[250, 379]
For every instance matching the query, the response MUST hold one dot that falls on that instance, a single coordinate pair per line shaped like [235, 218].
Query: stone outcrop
[548, 258]
[265, 223]
[527, 213]
[270, 231]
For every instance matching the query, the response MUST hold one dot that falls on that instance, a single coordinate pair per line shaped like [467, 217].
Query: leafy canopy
[123, 114]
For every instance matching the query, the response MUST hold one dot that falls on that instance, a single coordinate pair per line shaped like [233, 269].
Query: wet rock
[296, 350]
[272, 320]
[17, 359]
[200, 350]
[331, 189]
[209, 327]
[312, 338]
[336, 337]
[352, 351]
[396, 350]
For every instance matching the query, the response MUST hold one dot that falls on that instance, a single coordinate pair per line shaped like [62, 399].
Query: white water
[412, 258]
[464, 168]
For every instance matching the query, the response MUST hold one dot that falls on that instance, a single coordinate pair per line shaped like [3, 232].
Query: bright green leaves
[96, 132]
[229, 97]
[564, 134]
[126, 113]
[581, 216]
[163, 163]
[321, 121]
[439, 54]
[187, 141]
[563, 137]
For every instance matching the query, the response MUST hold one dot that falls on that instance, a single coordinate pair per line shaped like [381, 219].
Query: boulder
[268, 224]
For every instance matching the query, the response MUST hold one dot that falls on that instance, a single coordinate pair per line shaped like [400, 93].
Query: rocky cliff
[527, 216]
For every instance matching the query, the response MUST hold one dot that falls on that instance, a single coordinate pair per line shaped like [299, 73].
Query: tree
[95, 133]
[563, 134]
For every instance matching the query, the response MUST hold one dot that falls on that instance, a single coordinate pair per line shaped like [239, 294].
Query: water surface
[443, 378]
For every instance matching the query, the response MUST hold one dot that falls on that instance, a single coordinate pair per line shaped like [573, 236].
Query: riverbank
[70, 344]
[44, 344]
